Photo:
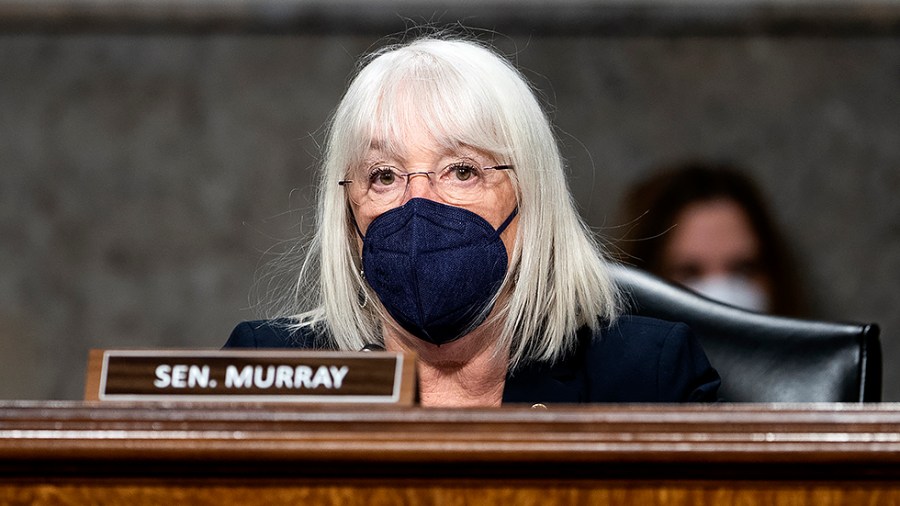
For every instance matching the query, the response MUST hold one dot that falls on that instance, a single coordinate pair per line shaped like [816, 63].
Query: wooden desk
[88, 453]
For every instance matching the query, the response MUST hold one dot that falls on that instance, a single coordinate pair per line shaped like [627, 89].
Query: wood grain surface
[103, 453]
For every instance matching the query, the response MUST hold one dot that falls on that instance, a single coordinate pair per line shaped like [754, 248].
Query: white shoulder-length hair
[463, 94]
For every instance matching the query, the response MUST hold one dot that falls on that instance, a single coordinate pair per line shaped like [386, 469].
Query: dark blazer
[635, 360]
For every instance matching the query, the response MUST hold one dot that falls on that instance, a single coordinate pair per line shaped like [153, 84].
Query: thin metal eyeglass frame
[408, 175]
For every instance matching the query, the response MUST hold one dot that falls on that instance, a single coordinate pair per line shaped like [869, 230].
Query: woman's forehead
[423, 145]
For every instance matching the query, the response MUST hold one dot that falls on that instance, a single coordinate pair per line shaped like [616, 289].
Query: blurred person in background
[706, 226]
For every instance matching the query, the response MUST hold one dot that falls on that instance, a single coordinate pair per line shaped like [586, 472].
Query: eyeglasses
[458, 183]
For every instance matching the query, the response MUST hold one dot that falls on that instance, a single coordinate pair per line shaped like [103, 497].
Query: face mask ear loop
[355, 224]
[507, 221]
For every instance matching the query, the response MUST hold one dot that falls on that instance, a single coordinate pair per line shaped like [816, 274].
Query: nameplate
[252, 376]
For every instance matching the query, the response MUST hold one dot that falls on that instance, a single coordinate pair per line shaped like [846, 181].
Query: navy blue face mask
[435, 267]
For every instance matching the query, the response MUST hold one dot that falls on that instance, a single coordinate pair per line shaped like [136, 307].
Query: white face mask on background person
[733, 290]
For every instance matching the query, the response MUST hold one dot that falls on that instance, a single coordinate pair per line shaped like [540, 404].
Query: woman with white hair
[446, 228]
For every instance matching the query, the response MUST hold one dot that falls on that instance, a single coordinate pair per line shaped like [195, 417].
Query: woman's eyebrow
[465, 153]
[376, 154]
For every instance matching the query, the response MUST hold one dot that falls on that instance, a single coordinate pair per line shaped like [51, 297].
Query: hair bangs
[427, 97]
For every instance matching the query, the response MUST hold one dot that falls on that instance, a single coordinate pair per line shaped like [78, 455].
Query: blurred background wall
[154, 156]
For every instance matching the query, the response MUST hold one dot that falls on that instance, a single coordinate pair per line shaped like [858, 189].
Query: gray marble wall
[147, 178]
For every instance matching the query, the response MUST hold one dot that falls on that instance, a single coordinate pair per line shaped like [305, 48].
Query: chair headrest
[765, 358]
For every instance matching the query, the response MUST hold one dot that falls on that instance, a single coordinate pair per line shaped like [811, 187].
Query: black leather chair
[764, 358]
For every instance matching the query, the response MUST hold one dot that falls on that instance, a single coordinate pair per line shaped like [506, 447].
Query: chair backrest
[764, 358]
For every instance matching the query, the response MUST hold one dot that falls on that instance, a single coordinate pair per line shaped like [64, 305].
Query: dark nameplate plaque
[254, 376]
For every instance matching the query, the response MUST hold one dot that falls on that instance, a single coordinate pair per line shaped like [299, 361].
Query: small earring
[362, 297]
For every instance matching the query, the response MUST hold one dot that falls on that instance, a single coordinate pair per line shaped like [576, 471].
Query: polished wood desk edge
[786, 414]
[726, 433]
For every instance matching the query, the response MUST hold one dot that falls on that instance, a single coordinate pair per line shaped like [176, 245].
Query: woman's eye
[383, 176]
[463, 172]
